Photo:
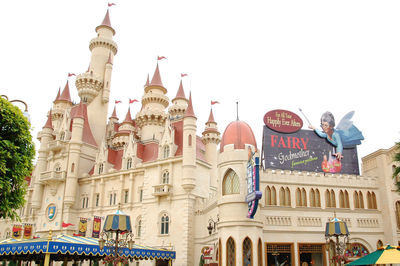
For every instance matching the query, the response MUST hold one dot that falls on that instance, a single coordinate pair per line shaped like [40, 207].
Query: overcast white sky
[316, 55]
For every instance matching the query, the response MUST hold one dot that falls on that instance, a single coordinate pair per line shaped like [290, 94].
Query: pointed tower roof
[49, 123]
[210, 118]
[65, 95]
[181, 93]
[106, 23]
[147, 81]
[58, 94]
[189, 111]
[114, 113]
[79, 111]
[156, 80]
[128, 117]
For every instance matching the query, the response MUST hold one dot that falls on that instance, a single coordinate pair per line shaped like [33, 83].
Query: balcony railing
[162, 190]
[52, 176]
[56, 145]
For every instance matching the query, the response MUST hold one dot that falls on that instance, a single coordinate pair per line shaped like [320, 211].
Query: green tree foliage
[396, 171]
[16, 156]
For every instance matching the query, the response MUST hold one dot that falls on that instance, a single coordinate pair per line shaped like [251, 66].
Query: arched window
[398, 214]
[312, 198]
[129, 163]
[101, 166]
[361, 199]
[230, 252]
[328, 199]
[165, 177]
[317, 198]
[231, 183]
[369, 200]
[282, 197]
[72, 167]
[287, 197]
[190, 140]
[247, 254]
[166, 151]
[379, 244]
[346, 199]
[341, 199]
[139, 227]
[298, 197]
[273, 196]
[259, 253]
[57, 168]
[267, 196]
[356, 201]
[374, 205]
[303, 197]
[164, 230]
[62, 135]
[333, 199]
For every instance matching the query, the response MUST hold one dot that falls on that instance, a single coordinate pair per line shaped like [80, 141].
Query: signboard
[253, 184]
[304, 150]
[283, 121]
[51, 212]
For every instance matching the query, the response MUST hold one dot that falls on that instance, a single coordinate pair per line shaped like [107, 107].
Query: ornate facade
[181, 189]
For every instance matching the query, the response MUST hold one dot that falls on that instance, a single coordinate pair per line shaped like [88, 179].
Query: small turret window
[231, 183]
[129, 163]
[190, 140]
[164, 224]
[57, 168]
[166, 152]
[101, 168]
[62, 135]
[165, 178]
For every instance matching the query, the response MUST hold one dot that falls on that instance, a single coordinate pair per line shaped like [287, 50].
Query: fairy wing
[346, 122]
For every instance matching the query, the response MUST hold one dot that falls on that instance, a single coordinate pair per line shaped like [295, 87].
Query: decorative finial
[237, 111]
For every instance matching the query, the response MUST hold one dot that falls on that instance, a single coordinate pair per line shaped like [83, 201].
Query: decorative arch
[317, 198]
[333, 199]
[139, 226]
[247, 252]
[356, 251]
[230, 183]
[356, 200]
[165, 177]
[341, 199]
[327, 199]
[361, 199]
[312, 198]
[273, 196]
[346, 199]
[166, 151]
[303, 197]
[230, 252]
[164, 222]
[287, 197]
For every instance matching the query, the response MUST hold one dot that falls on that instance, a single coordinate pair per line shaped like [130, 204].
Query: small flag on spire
[132, 101]
[161, 58]
[214, 102]
[117, 102]
[71, 74]
[183, 75]
[111, 4]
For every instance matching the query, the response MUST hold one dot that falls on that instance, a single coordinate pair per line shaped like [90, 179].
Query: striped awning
[118, 221]
[336, 227]
[85, 247]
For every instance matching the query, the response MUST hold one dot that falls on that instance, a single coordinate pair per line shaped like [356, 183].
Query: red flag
[71, 74]
[214, 102]
[161, 57]
[66, 224]
[76, 234]
[123, 233]
[117, 102]
[183, 75]
[132, 101]
[111, 4]
[35, 237]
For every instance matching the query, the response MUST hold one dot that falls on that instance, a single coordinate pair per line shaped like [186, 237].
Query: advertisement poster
[96, 226]
[82, 226]
[27, 231]
[309, 150]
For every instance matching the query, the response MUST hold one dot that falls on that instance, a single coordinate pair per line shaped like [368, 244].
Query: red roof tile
[114, 113]
[65, 95]
[238, 133]
[115, 158]
[106, 22]
[181, 93]
[128, 117]
[58, 94]
[189, 111]
[49, 123]
[147, 81]
[211, 118]
[147, 152]
[156, 80]
[178, 126]
[80, 111]
[200, 149]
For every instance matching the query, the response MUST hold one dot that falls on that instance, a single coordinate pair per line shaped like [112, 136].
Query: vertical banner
[17, 231]
[27, 231]
[82, 226]
[96, 226]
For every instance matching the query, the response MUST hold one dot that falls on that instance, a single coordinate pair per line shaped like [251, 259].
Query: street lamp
[25, 112]
[212, 225]
[336, 232]
[120, 224]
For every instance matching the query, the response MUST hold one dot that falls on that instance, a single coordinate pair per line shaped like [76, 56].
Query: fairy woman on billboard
[345, 135]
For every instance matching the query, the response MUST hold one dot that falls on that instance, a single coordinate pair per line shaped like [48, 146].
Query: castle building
[184, 185]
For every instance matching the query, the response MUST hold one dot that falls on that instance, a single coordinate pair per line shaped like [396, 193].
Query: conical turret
[179, 104]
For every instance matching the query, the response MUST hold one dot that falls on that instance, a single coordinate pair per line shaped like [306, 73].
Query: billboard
[329, 150]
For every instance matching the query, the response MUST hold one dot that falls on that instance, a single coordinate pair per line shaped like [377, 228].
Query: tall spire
[49, 123]
[128, 117]
[181, 93]
[65, 95]
[211, 118]
[189, 111]
[114, 113]
[106, 22]
[147, 81]
[156, 80]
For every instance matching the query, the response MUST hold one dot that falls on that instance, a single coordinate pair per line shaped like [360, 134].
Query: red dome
[238, 133]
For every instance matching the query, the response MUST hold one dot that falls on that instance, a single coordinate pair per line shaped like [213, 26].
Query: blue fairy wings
[346, 123]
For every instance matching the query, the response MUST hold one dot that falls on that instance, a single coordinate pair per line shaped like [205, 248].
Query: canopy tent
[65, 247]
[383, 255]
